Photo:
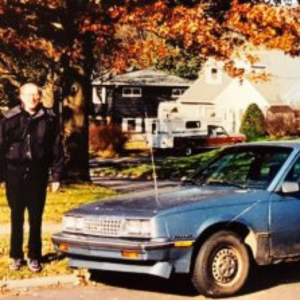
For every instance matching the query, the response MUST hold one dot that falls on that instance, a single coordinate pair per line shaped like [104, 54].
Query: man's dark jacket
[31, 139]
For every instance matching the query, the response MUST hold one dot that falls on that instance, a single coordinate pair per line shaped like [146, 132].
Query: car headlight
[137, 228]
[72, 223]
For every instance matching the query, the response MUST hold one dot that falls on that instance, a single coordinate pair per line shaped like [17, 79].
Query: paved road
[277, 283]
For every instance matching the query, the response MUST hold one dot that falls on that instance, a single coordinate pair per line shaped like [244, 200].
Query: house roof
[285, 73]
[284, 80]
[292, 95]
[146, 77]
[201, 91]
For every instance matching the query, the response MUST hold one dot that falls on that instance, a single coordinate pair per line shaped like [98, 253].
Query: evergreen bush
[253, 123]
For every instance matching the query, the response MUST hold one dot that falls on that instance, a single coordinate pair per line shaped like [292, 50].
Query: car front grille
[103, 226]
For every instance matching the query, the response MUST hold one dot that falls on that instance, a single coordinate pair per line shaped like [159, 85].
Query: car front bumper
[159, 258]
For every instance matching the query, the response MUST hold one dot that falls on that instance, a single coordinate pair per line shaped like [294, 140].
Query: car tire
[222, 265]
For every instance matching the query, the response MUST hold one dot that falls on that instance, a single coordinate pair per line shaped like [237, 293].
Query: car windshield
[244, 167]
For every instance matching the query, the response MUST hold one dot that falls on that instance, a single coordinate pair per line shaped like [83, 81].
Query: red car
[217, 136]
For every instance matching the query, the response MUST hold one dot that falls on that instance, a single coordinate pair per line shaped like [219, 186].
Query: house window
[258, 68]
[131, 92]
[192, 124]
[213, 75]
[131, 125]
[154, 128]
[177, 92]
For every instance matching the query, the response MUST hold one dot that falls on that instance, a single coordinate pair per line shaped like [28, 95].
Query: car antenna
[154, 174]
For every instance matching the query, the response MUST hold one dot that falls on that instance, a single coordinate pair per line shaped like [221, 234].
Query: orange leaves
[10, 37]
[199, 29]
[274, 27]
[191, 28]
[47, 3]
[116, 12]
[145, 53]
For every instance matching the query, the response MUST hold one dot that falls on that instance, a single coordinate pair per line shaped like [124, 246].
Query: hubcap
[225, 265]
[188, 151]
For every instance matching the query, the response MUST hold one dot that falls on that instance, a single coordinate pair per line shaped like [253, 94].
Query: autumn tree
[217, 29]
[61, 44]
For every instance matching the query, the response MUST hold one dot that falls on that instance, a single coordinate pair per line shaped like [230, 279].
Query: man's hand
[55, 186]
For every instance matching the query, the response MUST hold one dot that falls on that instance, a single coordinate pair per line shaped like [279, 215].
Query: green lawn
[57, 204]
[168, 168]
[54, 264]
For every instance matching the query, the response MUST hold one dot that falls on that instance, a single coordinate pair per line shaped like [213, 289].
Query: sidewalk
[23, 285]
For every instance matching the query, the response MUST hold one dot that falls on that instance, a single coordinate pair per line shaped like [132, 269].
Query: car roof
[288, 143]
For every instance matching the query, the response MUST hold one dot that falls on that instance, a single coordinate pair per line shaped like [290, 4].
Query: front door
[285, 219]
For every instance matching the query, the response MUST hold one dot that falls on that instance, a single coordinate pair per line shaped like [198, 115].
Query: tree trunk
[75, 127]
[76, 95]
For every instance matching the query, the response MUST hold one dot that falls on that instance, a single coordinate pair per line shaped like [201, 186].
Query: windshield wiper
[226, 183]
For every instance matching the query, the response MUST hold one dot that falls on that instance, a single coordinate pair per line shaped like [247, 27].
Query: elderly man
[30, 146]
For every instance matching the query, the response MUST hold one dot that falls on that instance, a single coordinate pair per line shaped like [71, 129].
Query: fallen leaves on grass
[53, 263]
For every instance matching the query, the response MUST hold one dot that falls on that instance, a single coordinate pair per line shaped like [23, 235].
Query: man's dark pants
[26, 188]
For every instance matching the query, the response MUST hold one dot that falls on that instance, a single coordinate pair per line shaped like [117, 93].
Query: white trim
[133, 92]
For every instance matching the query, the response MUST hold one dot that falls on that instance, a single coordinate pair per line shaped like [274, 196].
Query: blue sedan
[242, 208]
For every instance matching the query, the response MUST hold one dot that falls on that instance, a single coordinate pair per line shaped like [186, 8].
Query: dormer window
[213, 75]
[131, 92]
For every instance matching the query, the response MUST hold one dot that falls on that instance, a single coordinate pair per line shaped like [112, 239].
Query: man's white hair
[28, 85]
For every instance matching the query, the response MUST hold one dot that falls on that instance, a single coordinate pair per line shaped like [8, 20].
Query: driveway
[274, 282]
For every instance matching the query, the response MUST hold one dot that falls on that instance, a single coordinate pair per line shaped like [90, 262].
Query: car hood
[149, 203]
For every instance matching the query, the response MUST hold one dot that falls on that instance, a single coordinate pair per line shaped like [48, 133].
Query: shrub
[253, 122]
[280, 126]
[106, 140]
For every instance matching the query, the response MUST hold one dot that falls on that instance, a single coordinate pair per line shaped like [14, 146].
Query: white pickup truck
[186, 136]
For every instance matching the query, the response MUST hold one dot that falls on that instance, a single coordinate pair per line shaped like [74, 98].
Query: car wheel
[222, 265]
[188, 151]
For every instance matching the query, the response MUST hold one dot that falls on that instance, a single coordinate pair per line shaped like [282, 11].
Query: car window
[253, 167]
[294, 173]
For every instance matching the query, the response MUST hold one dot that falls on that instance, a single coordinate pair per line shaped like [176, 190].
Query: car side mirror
[290, 187]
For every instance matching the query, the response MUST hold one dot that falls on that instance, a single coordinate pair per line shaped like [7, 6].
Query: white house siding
[230, 99]
[233, 101]
[292, 96]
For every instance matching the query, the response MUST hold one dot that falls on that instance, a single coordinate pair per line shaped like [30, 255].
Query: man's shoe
[16, 264]
[34, 265]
